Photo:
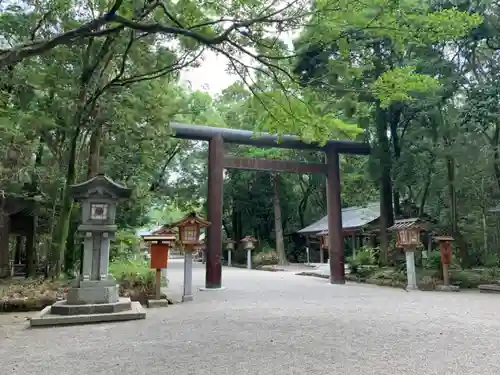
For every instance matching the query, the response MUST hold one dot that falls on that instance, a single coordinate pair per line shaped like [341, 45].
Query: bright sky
[211, 76]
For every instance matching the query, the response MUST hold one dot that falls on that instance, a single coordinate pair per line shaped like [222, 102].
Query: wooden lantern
[445, 248]
[323, 239]
[408, 237]
[160, 242]
[248, 242]
[189, 230]
[408, 232]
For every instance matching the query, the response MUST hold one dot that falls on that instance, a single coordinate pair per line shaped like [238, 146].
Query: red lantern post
[159, 245]
[445, 249]
[323, 244]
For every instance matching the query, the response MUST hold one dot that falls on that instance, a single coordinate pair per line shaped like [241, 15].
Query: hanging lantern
[323, 239]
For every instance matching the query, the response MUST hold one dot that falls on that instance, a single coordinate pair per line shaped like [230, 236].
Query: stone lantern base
[90, 302]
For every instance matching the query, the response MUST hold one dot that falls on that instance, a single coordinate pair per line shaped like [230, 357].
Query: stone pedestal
[105, 291]
[249, 259]
[229, 258]
[410, 270]
[187, 294]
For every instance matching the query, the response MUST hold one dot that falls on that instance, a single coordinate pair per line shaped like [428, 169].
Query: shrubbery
[136, 279]
[265, 258]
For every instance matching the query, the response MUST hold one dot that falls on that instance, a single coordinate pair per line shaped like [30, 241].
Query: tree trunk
[61, 230]
[31, 257]
[386, 208]
[394, 119]
[94, 152]
[427, 186]
[496, 154]
[460, 241]
[72, 252]
[278, 225]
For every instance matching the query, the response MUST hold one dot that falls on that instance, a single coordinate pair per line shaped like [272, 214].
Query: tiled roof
[352, 217]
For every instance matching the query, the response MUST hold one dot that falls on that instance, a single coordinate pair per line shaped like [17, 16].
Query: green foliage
[124, 246]
[433, 261]
[134, 277]
[265, 258]
[467, 279]
[398, 85]
[365, 256]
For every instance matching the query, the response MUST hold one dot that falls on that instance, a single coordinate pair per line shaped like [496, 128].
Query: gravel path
[275, 323]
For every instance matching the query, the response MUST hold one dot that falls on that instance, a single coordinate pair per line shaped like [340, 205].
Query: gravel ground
[274, 323]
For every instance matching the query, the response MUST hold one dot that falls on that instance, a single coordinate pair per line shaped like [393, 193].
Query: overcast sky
[211, 76]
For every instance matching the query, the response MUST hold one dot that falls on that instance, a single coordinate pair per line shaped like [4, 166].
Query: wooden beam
[245, 137]
[273, 165]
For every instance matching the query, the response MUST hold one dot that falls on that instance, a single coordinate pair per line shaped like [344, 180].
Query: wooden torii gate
[217, 161]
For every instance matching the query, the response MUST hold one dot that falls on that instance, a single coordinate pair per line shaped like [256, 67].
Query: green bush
[433, 261]
[125, 244]
[265, 258]
[491, 260]
[136, 279]
[467, 279]
[365, 256]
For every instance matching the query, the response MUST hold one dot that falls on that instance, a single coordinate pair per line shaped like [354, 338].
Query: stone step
[489, 288]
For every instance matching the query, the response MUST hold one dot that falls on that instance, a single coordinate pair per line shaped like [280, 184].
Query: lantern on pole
[159, 242]
[249, 245]
[445, 250]
[229, 247]
[408, 238]
[189, 236]
[323, 244]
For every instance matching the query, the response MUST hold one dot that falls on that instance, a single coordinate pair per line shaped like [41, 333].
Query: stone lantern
[189, 237]
[229, 247]
[408, 238]
[249, 245]
[94, 296]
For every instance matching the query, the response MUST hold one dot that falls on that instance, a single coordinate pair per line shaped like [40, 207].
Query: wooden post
[335, 237]
[354, 245]
[5, 270]
[158, 283]
[213, 275]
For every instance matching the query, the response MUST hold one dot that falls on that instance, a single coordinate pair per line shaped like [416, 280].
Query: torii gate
[217, 161]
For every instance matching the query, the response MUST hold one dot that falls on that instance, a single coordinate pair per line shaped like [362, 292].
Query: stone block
[447, 288]
[489, 288]
[157, 303]
[46, 319]
[62, 308]
[92, 295]
[97, 283]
